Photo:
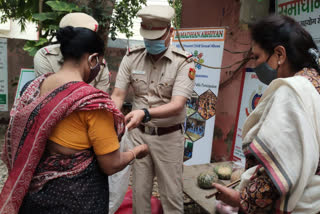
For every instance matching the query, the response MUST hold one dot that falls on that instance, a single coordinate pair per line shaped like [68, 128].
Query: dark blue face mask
[265, 73]
[94, 71]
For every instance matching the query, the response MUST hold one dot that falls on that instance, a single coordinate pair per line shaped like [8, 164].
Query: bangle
[134, 157]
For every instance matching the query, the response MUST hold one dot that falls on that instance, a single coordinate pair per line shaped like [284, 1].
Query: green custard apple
[223, 171]
[205, 179]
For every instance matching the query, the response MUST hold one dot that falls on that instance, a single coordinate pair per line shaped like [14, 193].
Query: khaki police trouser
[164, 161]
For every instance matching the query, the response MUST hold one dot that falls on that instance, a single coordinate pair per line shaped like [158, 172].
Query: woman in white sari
[281, 137]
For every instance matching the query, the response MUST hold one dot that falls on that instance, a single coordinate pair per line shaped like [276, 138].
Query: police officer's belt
[159, 130]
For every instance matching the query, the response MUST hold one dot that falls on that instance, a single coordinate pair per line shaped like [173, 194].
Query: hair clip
[315, 55]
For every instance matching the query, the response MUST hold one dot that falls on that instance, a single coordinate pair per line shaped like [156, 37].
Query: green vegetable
[205, 179]
[223, 171]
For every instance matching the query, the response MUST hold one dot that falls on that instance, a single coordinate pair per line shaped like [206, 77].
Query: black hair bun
[75, 42]
[64, 35]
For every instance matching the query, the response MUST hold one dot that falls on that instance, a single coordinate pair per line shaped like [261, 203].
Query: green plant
[177, 5]
[120, 20]
[48, 13]
[49, 23]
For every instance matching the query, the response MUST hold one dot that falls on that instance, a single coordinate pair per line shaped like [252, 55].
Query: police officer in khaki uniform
[48, 59]
[162, 78]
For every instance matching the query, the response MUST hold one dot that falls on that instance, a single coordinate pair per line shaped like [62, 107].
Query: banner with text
[206, 46]
[3, 75]
[250, 94]
[306, 12]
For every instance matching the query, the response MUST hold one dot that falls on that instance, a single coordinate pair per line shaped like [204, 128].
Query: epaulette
[51, 50]
[135, 49]
[183, 53]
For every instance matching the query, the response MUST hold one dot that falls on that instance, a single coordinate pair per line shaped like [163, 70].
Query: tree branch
[40, 11]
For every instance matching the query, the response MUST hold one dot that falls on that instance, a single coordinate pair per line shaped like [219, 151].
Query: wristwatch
[147, 116]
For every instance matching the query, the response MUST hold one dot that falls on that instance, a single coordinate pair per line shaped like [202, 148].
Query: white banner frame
[3, 75]
[26, 74]
[206, 45]
[306, 12]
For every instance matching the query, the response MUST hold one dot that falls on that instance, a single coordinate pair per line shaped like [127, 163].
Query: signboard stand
[26, 75]
[3, 75]
[306, 12]
[206, 46]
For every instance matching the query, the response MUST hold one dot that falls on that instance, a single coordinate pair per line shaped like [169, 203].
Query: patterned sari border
[273, 169]
[34, 114]
[32, 135]
[45, 112]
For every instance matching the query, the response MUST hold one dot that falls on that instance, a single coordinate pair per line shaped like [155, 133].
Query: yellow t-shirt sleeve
[101, 132]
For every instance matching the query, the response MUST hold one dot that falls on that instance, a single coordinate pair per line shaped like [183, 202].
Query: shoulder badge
[135, 49]
[51, 50]
[192, 73]
[183, 53]
[190, 58]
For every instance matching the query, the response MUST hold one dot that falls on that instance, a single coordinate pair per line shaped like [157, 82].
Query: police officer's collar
[168, 54]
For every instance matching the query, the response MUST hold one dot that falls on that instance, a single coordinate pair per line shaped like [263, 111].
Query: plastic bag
[223, 208]
[119, 182]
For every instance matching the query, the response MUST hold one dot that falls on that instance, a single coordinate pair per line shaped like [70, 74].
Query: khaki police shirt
[49, 59]
[154, 83]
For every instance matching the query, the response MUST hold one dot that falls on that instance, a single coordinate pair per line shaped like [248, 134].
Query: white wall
[12, 29]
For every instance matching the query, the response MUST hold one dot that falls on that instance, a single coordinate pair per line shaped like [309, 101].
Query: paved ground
[3, 168]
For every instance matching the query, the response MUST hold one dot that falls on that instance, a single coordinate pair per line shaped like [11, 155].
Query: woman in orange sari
[62, 139]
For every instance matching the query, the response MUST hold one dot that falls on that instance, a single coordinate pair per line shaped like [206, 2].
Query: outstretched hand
[227, 195]
[134, 118]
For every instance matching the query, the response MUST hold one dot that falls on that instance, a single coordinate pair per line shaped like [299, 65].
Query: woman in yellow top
[62, 139]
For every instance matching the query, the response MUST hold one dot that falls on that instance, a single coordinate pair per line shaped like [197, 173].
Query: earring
[278, 62]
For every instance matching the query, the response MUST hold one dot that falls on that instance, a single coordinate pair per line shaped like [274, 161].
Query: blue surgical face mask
[155, 47]
[265, 73]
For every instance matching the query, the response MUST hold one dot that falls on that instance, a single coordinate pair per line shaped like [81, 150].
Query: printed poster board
[306, 12]
[3, 75]
[250, 94]
[206, 45]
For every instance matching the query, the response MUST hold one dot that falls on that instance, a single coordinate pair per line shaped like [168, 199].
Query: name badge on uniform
[138, 72]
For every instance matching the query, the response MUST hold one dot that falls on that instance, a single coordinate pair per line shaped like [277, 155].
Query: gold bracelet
[134, 157]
